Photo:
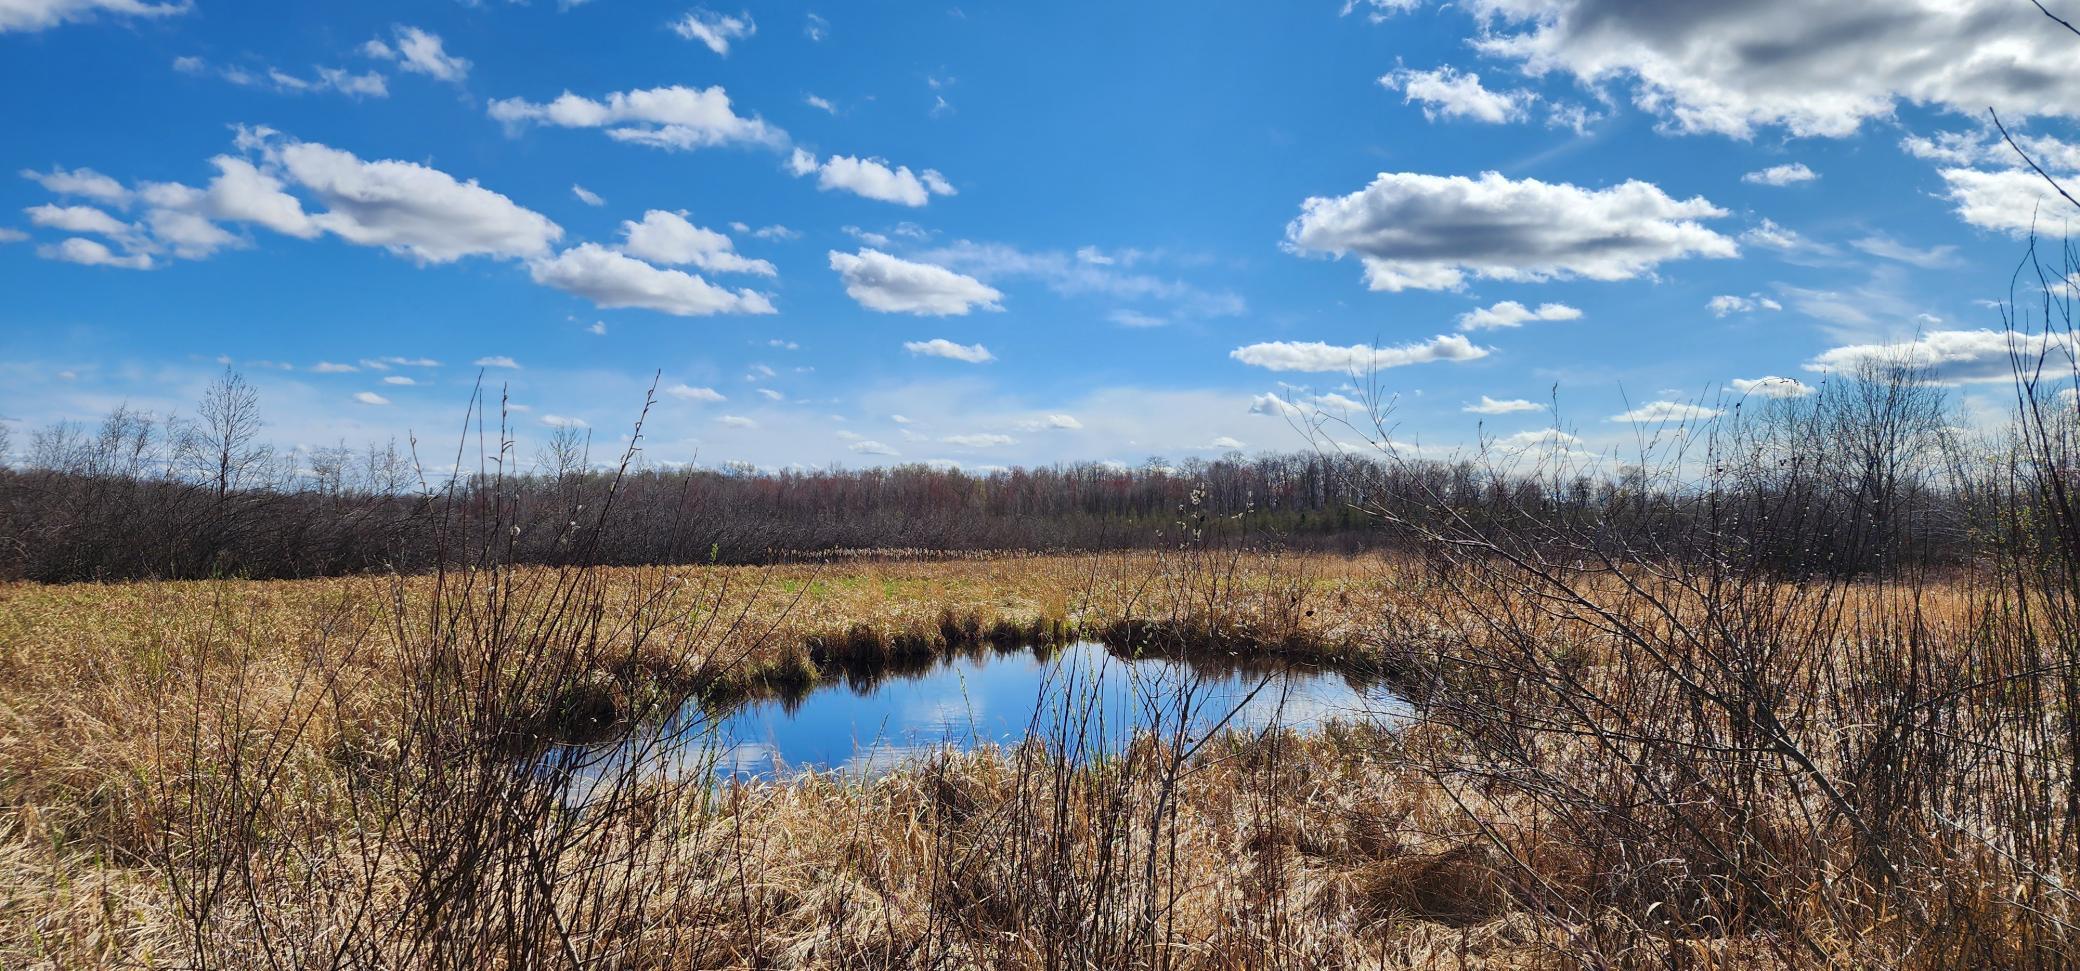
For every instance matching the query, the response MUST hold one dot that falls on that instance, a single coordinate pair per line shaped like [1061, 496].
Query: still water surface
[870, 723]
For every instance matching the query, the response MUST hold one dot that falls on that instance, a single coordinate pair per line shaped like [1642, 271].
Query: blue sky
[999, 234]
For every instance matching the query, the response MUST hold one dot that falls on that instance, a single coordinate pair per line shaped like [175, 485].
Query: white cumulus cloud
[1273, 406]
[2013, 201]
[1491, 406]
[408, 208]
[189, 235]
[1952, 356]
[871, 178]
[1378, 11]
[1729, 303]
[87, 252]
[85, 183]
[419, 52]
[611, 279]
[1447, 93]
[714, 30]
[667, 237]
[241, 192]
[1430, 232]
[1357, 358]
[941, 347]
[79, 219]
[26, 15]
[1781, 175]
[890, 284]
[1509, 314]
[674, 117]
[688, 392]
[1814, 67]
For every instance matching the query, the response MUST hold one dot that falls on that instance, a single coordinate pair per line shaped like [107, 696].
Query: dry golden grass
[1353, 846]
[102, 686]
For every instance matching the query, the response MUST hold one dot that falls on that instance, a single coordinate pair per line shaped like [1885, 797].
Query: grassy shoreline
[99, 683]
[227, 773]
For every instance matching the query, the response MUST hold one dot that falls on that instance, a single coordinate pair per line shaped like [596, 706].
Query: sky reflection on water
[871, 723]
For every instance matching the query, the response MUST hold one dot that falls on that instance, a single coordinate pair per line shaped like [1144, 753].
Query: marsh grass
[1697, 752]
[251, 780]
[367, 773]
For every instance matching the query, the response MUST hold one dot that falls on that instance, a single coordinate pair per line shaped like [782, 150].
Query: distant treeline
[76, 516]
[1866, 474]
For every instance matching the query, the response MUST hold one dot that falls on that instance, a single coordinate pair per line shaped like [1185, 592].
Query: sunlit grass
[1354, 845]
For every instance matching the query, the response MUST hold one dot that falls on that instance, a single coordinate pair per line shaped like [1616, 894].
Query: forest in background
[1870, 470]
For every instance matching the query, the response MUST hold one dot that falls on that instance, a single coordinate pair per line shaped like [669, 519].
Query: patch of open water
[1080, 697]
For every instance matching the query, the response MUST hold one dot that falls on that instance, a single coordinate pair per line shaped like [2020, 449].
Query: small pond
[869, 722]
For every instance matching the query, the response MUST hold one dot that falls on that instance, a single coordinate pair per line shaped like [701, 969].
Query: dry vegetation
[326, 773]
[121, 704]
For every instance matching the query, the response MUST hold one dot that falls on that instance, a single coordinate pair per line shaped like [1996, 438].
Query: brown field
[319, 774]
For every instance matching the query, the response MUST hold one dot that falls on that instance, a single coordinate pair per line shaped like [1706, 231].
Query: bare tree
[385, 471]
[126, 444]
[223, 445]
[329, 469]
[59, 447]
[563, 455]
